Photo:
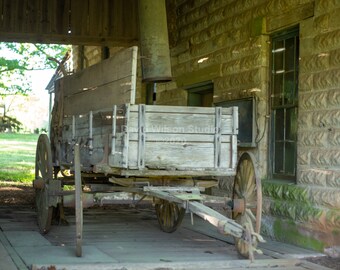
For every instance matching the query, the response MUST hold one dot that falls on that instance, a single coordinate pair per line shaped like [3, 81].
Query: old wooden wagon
[106, 145]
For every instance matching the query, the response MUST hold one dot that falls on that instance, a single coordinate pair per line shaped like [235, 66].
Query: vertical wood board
[79, 10]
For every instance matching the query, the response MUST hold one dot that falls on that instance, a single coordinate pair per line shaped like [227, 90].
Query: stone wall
[228, 42]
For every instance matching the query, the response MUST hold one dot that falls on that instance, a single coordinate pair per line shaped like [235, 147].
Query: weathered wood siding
[69, 21]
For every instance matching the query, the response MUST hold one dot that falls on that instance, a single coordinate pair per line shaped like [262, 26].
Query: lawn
[17, 157]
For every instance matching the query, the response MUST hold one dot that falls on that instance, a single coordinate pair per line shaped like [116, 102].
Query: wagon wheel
[169, 215]
[247, 187]
[43, 175]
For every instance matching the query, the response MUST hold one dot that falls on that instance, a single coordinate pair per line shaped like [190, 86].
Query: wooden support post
[125, 156]
[141, 136]
[114, 128]
[79, 201]
[73, 128]
[90, 133]
[218, 137]
[233, 149]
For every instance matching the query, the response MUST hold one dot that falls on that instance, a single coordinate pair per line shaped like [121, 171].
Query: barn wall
[228, 43]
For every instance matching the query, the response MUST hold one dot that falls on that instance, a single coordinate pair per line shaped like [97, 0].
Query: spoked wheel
[247, 188]
[169, 215]
[43, 175]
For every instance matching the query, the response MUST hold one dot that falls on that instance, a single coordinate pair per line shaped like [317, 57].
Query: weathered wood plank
[178, 138]
[19, 9]
[123, 18]
[174, 156]
[105, 96]
[60, 18]
[44, 17]
[1, 12]
[182, 109]
[164, 122]
[31, 16]
[167, 155]
[79, 17]
[121, 65]
[8, 13]
[97, 16]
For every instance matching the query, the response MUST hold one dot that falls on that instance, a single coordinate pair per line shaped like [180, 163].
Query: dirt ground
[20, 194]
[12, 193]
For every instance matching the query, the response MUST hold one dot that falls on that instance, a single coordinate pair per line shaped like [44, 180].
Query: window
[246, 118]
[201, 95]
[284, 104]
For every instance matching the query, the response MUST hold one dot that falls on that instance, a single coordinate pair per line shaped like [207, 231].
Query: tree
[16, 59]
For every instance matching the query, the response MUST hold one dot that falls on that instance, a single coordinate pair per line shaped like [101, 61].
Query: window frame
[283, 106]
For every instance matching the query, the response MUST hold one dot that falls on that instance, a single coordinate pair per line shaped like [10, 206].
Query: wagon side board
[112, 81]
[95, 109]
[173, 138]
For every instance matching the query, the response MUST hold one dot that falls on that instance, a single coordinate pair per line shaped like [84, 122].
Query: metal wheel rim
[247, 185]
[43, 170]
[169, 215]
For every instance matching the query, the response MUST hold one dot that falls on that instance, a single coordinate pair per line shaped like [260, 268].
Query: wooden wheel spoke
[247, 185]
[43, 170]
[169, 215]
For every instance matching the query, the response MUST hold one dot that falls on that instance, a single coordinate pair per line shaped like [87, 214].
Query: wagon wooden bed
[170, 153]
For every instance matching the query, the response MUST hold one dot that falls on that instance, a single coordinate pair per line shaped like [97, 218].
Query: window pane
[284, 105]
[290, 153]
[278, 160]
[289, 88]
[289, 54]
[278, 54]
[291, 124]
[278, 86]
[279, 125]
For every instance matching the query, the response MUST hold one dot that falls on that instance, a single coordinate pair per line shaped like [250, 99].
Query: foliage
[10, 124]
[16, 59]
[17, 156]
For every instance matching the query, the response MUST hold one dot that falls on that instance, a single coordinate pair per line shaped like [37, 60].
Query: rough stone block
[325, 157]
[313, 63]
[303, 156]
[327, 41]
[325, 197]
[327, 79]
[314, 100]
[334, 137]
[326, 119]
[334, 58]
[313, 138]
[307, 47]
[305, 82]
[307, 28]
[313, 177]
[321, 23]
[322, 6]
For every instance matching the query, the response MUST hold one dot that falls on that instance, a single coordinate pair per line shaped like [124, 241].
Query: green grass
[17, 157]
